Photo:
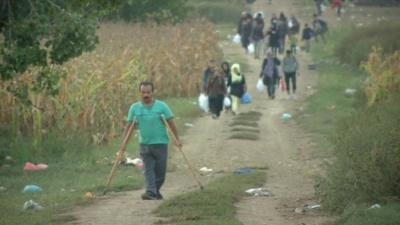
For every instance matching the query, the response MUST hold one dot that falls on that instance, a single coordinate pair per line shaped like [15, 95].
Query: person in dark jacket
[208, 73]
[320, 27]
[245, 32]
[290, 66]
[216, 90]
[273, 40]
[258, 38]
[270, 73]
[306, 37]
[319, 3]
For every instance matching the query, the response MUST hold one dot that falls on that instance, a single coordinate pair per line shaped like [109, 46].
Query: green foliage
[214, 205]
[160, 11]
[41, 33]
[367, 157]
[357, 45]
[223, 11]
[387, 215]
[364, 139]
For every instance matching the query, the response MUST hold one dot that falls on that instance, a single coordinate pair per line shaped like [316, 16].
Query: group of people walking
[221, 83]
[153, 118]
[251, 31]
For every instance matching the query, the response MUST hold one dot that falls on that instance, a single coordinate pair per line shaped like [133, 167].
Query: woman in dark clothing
[216, 90]
[270, 73]
[245, 32]
[273, 41]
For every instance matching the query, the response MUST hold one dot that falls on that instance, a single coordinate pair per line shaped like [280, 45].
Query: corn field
[99, 87]
[384, 75]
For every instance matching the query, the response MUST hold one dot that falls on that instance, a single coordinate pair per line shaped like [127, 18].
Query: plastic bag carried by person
[251, 48]
[260, 86]
[236, 39]
[227, 102]
[246, 98]
[203, 102]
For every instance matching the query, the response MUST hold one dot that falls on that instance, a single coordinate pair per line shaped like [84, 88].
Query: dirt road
[281, 146]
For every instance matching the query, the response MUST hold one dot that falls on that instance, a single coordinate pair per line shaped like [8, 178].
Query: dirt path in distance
[281, 146]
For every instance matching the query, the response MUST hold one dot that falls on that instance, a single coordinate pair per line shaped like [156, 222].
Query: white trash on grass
[32, 205]
[205, 169]
[259, 192]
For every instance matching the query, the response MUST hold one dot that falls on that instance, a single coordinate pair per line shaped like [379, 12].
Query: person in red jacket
[337, 4]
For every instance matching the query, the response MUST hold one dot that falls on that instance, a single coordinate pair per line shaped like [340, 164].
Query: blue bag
[246, 98]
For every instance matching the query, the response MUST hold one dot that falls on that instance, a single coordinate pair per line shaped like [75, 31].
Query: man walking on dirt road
[148, 116]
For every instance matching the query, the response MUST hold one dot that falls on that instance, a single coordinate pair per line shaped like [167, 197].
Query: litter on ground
[32, 189]
[286, 116]
[244, 171]
[375, 206]
[189, 125]
[259, 192]
[205, 169]
[35, 167]
[31, 205]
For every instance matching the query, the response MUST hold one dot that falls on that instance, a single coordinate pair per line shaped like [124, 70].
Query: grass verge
[77, 168]
[212, 206]
[355, 181]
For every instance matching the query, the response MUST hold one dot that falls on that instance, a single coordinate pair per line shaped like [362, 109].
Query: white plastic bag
[236, 39]
[323, 7]
[203, 102]
[250, 48]
[260, 86]
[227, 102]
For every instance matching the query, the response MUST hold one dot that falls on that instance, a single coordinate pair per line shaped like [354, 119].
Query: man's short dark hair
[146, 83]
[288, 51]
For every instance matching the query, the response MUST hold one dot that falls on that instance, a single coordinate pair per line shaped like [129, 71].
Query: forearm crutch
[183, 154]
[119, 156]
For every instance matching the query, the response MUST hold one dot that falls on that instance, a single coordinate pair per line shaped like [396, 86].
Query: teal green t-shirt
[149, 121]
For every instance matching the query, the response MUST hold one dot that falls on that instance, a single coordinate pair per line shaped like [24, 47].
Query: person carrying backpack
[270, 73]
[290, 67]
[320, 27]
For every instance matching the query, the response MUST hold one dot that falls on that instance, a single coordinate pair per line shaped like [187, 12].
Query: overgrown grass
[222, 11]
[212, 206]
[365, 140]
[388, 215]
[357, 45]
[329, 104]
[75, 167]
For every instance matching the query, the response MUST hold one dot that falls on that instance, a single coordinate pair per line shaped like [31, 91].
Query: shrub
[367, 157]
[384, 75]
[356, 46]
[227, 11]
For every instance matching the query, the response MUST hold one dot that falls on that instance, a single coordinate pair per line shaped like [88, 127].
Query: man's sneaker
[146, 196]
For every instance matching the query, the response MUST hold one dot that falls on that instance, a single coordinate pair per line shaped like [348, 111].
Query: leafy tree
[158, 10]
[43, 33]
[50, 32]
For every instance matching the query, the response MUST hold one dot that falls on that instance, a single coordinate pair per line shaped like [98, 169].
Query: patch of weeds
[214, 205]
[244, 129]
[245, 136]
[243, 123]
